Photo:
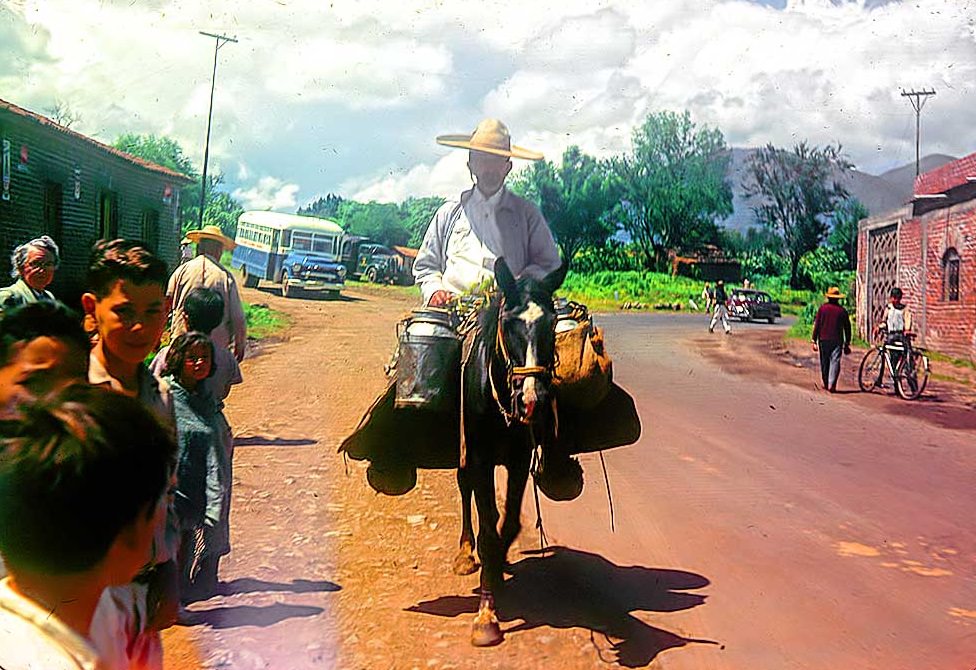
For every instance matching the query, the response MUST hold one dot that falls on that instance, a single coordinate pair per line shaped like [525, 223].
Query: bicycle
[910, 376]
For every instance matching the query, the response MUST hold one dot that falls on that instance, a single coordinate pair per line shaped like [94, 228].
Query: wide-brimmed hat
[211, 233]
[833, 292]
[491, 137]
[186, 240]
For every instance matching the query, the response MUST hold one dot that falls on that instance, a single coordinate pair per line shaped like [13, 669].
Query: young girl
[201, 471]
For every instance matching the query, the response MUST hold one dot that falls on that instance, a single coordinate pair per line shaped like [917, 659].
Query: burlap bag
[583, 368]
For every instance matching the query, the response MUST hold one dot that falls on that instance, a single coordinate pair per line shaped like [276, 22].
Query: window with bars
[950, 275]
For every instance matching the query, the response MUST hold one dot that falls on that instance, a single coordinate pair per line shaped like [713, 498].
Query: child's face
[130, 319]
[40, 366]
[197, 364]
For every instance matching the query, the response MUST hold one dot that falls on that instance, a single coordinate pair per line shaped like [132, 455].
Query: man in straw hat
[831, 335]
[205, 271]
[466, 235]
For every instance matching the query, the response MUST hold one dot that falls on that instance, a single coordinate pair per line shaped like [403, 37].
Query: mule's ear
[506, 281]
[554, 279]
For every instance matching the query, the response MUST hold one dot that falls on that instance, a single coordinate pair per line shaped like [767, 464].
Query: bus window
[301, 241]
[286, 239]
[322, 244]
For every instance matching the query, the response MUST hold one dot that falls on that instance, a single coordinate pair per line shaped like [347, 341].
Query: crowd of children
[115, 475]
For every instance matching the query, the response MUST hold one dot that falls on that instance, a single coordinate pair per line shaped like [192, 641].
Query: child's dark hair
[40, 319]
[204, 309]
[896, 293]
[123, 259]
[75, 469]
[176, 355]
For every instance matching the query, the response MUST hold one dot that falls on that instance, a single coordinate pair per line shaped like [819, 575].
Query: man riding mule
[505, 405]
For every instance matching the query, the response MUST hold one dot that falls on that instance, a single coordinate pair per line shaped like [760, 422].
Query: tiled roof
[44, 121]
[406, 251]
[947, 177]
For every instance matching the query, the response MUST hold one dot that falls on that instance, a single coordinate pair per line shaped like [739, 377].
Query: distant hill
[879, 193]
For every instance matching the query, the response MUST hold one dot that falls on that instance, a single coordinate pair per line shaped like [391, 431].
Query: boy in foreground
[83, 478]
[126, 301]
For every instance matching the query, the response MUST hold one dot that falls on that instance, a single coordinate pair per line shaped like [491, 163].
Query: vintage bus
[298, 252]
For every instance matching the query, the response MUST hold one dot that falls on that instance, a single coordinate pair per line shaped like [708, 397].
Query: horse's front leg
[485, 631]
[464, 563]
[519, 459]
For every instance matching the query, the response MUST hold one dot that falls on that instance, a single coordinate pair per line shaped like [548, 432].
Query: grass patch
[609, 290]
[955, 362]
[412, 291]
[263, 322]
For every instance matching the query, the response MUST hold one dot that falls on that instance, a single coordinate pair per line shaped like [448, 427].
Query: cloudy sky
[347, 96]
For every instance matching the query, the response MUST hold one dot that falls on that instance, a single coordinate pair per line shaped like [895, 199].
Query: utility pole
[917, 98]
[221, 41]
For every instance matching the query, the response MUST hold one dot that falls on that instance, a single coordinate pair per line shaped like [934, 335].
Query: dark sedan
[749, 305]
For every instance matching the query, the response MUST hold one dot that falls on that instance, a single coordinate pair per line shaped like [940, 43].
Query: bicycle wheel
[912, 375]
[871, 371]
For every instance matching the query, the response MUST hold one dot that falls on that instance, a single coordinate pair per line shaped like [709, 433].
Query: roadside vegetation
[262, 321]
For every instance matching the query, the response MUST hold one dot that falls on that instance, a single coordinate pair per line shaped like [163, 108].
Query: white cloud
[347, 96]
[268, 193]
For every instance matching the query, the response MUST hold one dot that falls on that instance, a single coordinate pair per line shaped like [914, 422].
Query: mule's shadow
[268, 441]
[568, 588]
[252, 585]
[248, 615]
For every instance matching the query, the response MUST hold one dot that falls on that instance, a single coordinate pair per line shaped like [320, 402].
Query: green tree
[844, 233]
[578, 199]
[221, 209]
[798, 190]
[416, 214]
[674, 185]
[326, 208]
[380, 221]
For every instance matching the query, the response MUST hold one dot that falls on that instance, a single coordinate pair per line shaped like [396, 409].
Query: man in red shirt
[831, 335]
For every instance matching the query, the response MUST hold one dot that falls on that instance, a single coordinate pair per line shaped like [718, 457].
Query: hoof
[464, 564]
[486, 634]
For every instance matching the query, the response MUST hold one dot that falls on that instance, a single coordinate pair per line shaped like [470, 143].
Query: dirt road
[758, 523]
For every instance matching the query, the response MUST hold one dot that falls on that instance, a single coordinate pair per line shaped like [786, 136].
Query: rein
[512, 373]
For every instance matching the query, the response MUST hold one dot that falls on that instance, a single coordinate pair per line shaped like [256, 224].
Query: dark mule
[507, 412]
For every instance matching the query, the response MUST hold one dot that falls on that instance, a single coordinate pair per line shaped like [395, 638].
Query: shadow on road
[310, 295]
[265, 441]
[251, 585]
[247, 615]
[567, 588]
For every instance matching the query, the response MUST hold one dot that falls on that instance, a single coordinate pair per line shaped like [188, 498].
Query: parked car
[749, 305]
[306, 270]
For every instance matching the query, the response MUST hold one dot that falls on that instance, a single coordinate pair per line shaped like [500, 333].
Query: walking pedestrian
[205, 271]
[720, 309]
[831, 336]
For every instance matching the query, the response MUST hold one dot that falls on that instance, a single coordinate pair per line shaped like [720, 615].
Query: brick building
[77, 190]
[928, 248]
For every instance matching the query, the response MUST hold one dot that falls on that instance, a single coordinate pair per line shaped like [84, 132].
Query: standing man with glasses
[33, 264]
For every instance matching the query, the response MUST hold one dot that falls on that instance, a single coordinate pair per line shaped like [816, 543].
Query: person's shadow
[568, 588]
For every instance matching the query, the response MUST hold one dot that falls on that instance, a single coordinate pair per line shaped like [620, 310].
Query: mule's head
[527, 336]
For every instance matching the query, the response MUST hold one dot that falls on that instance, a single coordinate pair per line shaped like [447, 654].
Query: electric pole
[221, 41]
[917, 98]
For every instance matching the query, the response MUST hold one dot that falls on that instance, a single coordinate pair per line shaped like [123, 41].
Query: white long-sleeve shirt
[465, 237]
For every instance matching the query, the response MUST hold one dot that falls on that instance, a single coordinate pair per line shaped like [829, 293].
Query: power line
[917, 98]
[221, 40]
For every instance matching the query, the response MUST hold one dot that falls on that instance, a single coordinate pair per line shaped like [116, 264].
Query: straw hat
[186, 240]
[834, 292]
[211, 233]
[491, 137]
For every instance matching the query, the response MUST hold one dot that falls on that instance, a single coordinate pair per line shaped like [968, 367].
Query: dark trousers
[830, 352]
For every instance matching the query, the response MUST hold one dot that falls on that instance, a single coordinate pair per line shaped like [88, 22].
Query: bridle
[513, 373]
